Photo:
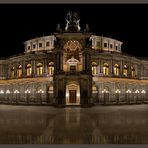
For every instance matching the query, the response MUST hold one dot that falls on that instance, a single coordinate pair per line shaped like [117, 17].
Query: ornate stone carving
[72, 20]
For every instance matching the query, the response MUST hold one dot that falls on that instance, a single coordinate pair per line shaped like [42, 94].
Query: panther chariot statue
[72, 20]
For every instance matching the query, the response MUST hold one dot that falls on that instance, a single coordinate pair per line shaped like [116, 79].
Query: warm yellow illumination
[29, 70]
[8, 92]
[16, 91]
[105, 69]
[78, 95]
[118, 91]
[51, 68]
[137, 91]
[27, 91]
[116, 70]
[94, 68]
[132, 71]
[128, 91]
[1, 92]
[40, 91]
[39, 69]
[94, 89]
[19, 71]
[105, 91]
[125, 70]
[143, 92]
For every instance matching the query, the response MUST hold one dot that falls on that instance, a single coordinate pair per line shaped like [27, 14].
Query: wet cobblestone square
[127, 124]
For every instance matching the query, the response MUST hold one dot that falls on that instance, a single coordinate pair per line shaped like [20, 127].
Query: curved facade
[73, 67]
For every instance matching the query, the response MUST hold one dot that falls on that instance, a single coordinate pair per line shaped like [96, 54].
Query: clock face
[72, 46]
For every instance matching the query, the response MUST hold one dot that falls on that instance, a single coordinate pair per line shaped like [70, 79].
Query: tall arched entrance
[73, 93]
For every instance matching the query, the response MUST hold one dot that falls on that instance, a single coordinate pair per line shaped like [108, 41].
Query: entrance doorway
[72, 93]
[72, 68]
[72, 96]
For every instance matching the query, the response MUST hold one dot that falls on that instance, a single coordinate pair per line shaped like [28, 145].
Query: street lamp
[1, 94]
[7, 93]
[105, 92]
[27, 92]
[128, 98]
[40, 92]
[143, 95]
[117, 95]
[16, 92]
[137, 93]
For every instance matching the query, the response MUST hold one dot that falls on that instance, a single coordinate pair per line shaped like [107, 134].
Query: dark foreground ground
[127, 124]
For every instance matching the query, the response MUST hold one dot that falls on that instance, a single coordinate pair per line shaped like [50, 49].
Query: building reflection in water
[97, 125]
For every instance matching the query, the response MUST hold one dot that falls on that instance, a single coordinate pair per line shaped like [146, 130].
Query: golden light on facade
[16, 91]
[128, 91]
[27, 91]
[137, 91]
[40, 91]
[143, 92]
[67, 95]
[118, 91]
[78, 95]
[8, 92]
[1, 92]
[105, 91]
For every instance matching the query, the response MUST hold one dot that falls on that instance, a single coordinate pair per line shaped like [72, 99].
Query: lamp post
[137, 94]
[16, 92]
[143, 95]
[117, 95]
[27, 92]
[1, 95]
[40, 92]
[128, 98]
[105, 92]
[7, 94]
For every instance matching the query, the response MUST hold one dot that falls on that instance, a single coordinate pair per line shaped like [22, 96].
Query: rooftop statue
[72, 20]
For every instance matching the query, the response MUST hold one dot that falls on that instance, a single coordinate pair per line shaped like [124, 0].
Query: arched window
[29, 70]
[116, 70]
[125, 70]
[19, 71]
[50, 89]
[12, 71]
[39, 69]
[94, 68]
[51, 68]
[105, 69]
[132, 71]
[94, 89]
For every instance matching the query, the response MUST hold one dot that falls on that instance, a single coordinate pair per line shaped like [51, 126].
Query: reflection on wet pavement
[74, 125]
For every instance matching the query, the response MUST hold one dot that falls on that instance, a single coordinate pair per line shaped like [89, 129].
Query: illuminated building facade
[73, 67]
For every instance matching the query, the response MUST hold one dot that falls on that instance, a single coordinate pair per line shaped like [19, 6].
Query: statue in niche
[72, 20]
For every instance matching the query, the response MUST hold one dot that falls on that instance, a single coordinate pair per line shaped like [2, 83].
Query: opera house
[73, 67]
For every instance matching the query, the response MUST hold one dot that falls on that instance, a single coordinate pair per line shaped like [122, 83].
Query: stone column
[129, 70]
[111, 68]
[121, 69]
[15, 70]
[101, 66]
[61, 61]
[24, 72]
[58, 61]
[86, 62]
[33, 66]
[45, 67]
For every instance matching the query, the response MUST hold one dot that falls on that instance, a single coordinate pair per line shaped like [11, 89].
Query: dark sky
[127, 23]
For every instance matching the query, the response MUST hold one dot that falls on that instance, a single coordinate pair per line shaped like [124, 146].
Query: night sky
[127, 23]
